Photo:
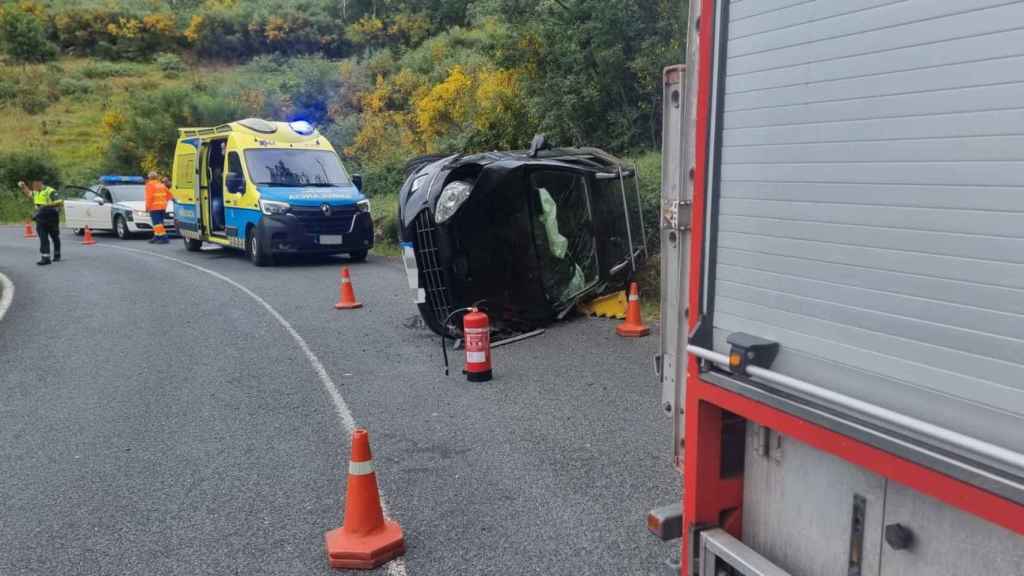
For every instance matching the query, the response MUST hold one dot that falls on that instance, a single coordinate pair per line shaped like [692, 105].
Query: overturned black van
[528, 234]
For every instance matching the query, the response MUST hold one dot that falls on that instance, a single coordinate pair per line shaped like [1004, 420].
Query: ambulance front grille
[315, 222]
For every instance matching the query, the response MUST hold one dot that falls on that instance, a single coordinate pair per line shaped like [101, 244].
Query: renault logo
[326, 209]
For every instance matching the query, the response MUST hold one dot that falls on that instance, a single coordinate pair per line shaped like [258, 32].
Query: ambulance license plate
[330, 240]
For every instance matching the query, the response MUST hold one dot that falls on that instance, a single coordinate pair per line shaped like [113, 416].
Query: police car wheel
[257, 253]
[121, 228]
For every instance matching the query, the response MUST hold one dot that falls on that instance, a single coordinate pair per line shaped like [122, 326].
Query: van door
[234, 224]
[213, 186]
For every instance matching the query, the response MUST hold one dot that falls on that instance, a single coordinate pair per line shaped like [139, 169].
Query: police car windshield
[127, 192]
[296, 168]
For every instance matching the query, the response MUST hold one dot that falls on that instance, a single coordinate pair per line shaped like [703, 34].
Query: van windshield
[296, 168]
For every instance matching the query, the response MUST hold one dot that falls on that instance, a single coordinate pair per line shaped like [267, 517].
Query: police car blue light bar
[302, 128]
[110, 180]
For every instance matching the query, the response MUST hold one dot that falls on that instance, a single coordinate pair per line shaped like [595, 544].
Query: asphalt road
[157, 419]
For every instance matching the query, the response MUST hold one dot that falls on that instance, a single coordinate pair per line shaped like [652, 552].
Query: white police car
[116, 203]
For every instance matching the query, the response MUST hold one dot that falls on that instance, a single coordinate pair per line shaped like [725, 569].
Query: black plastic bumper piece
[666, 522]
[291, 235]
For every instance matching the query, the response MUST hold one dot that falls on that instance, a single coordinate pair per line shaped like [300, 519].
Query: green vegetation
[384, 80]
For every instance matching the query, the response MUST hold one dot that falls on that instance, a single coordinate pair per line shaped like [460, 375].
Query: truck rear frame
[783, 475]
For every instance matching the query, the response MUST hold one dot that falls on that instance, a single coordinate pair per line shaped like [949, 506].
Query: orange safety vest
[157, 196]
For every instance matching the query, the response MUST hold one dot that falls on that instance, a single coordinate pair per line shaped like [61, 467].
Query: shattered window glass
[565, 236]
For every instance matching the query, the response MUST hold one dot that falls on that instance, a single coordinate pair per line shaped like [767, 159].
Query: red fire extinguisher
[476, 331]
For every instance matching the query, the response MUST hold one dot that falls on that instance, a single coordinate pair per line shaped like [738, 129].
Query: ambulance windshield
[275, 167]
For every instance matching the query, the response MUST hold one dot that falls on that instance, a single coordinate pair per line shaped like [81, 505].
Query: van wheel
[193, 245]
[259, 255]
[78, 231]
[121, 228]
[358, 255]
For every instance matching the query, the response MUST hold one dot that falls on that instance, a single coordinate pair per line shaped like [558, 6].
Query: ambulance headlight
[363, 205]
[272, 208]
[452, 198]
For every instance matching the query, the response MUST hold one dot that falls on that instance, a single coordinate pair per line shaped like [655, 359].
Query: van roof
[295, 131]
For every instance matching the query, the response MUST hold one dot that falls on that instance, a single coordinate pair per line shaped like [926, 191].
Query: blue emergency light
[111, 180]
[302, 128]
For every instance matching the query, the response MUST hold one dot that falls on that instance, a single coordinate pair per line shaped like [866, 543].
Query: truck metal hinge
[684, 216]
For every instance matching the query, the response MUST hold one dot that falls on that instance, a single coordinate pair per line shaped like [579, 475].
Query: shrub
[170, 64]
[104, 70]
[23, 37]
[8, 89]
[71, 86]
[27, 165]
[385, 219]
[144, 133]
[14, 206]
[649, 167]
[32, 100]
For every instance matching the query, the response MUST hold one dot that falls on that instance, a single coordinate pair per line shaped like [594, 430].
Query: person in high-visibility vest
[47, 217]
[157, 197]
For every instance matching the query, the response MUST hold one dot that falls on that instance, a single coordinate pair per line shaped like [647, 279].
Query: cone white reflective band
[345, 280]
[970, 444]
[633, 297]
[360, 468]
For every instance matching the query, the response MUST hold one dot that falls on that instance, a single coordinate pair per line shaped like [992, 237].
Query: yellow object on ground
[608, 306]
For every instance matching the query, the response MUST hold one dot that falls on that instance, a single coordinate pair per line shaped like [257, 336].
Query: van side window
[186, 174]
[234, 164]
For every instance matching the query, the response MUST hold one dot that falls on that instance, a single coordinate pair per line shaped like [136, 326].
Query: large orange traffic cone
[366, 539]
[29, 232]
[634, 325]
[88, 240]
[348, 295]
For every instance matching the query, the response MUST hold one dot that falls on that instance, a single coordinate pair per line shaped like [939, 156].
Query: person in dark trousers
[157, 197]
[47, 217]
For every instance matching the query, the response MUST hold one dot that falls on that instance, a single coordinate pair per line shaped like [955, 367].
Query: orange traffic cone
[366, 539]
[87, 240]
[348, 295]
[29, 232]
[634, 325]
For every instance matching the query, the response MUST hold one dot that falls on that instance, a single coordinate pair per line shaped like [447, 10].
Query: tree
[595, 66]
[23, 37]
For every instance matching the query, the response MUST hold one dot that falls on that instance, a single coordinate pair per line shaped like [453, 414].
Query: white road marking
[395, 567]
[7, 296]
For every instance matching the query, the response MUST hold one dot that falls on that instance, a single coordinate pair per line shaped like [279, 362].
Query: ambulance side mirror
[235, 183]
[357, 181]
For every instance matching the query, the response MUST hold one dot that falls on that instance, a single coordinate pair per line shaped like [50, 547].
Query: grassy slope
[71, 128]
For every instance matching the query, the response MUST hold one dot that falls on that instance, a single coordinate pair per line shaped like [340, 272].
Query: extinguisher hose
[444, 333]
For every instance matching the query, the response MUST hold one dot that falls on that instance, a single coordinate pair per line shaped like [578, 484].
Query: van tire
[193, 245]
[358, 255]
[257, 253]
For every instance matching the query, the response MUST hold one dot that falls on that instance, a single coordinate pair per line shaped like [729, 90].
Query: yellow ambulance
[268, 188]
